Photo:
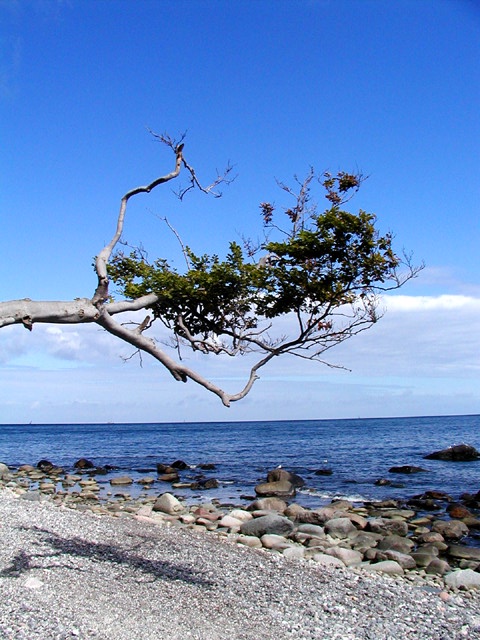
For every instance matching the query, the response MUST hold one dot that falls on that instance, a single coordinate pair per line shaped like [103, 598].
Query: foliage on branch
[324, 268]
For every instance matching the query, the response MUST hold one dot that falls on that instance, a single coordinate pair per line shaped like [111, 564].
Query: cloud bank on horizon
[424, 350]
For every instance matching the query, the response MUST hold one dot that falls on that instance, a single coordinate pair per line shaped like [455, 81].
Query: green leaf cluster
[329, 260]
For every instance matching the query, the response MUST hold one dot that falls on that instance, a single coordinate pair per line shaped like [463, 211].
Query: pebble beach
[68, 573]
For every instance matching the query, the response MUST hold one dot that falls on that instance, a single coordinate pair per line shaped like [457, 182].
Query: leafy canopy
[316, 268]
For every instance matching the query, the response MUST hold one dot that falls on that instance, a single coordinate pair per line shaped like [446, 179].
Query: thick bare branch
[101, 293]
[27, 312]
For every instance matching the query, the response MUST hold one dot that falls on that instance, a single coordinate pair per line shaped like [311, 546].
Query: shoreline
[67, 575]
[430, 539]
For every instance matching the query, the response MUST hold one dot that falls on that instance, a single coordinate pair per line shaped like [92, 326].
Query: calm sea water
[357, 451]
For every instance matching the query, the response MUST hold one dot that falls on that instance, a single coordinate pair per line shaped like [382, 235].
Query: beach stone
[294, 552]
[466, 553]
[207, 513]
[4, 472]
[294, 510]
[241, 514]
[282, 488]
[422, 558]
[230, 522]
[438, 567]
[456, 453]
[167, 503]
[388, 527]
[326, 560]
[270, 523]
[389, 567]
[250, 541]
[146, 481]
[396, 543]
[313, 530]
[472, 522]
[430, 537]
[466, 578]
[404, 560]
[458, 511]
[282, 475]
[275, 542]
[268, 504]
[362, 540]
[349, 557]
[121, 480]
[450, 530]
[339, 527]
[310, 517]
[26, 468]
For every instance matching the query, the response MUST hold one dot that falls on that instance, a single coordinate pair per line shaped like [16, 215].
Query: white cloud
[421, 357]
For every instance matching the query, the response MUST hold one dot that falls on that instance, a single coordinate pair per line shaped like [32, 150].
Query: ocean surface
[358, 452]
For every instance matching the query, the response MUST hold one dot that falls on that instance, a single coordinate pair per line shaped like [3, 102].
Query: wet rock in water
[207, 466]
[208, 483]
[456, 453]
[83, 463]
[165, 468]
[463, 552]
[45, 465]
[407, 469]
[146, 481]
[121, 480]
[450, 530]
[169, 477]
[458, 511]
[424, 504]
[282, 488]
[383, 482]
[282, 475]
[324, 472]
[271, 523]
[180, 464]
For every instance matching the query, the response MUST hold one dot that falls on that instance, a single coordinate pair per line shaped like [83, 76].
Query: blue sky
[388, 88]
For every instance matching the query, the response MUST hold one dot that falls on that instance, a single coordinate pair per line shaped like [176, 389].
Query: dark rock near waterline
[407, 468]
[383, 482]
[45, 465]
[280, 489]
[281, 475]
[179, 464]
[323, 472]
[208, 466]
[83, 463]
[456, 453]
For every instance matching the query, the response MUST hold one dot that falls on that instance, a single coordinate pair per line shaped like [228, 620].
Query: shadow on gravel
[65, 548]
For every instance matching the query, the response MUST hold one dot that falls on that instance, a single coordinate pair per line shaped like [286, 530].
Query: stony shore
[273, 570]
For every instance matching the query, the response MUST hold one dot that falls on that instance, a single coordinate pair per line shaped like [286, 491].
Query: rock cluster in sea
[421, 539]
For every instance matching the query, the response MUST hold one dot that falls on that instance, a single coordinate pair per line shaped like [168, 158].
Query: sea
[357, 452]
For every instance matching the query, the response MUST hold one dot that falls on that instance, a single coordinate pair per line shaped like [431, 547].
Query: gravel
[67, 575]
